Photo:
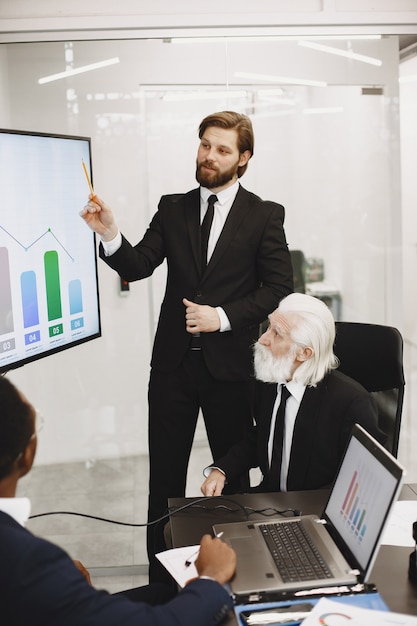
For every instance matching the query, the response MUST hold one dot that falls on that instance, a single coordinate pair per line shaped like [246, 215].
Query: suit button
[198, 294]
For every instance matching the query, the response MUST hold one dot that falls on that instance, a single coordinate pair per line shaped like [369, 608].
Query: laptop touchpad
[242, 545]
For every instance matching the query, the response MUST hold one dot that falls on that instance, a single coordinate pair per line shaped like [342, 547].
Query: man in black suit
[41, 585]
[217, 294]
[303, 449]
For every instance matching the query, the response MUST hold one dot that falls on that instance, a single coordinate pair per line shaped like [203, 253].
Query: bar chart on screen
[355, 504]
[48, 265]
[47, 294]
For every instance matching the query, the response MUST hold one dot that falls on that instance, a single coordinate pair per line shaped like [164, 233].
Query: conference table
[390, 572]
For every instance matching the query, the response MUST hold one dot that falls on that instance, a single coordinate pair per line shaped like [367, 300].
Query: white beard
[269, 369]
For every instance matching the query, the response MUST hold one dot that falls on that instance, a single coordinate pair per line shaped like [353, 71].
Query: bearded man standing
[228, 268]
[304, 409]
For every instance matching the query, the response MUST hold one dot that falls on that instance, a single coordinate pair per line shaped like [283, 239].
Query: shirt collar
[18, 508]
[296, 390]
[222, 196]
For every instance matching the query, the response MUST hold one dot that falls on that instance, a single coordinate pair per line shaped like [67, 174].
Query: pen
[192, 558]
[88, 178]
[195, 554]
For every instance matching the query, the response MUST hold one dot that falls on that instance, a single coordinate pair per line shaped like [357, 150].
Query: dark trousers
[154, 594]
[175, 399]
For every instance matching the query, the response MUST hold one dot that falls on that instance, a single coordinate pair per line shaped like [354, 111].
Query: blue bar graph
[75, 297]
[29, 299]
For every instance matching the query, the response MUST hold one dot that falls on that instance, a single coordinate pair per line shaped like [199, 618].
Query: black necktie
[275, 469]
[205, 230]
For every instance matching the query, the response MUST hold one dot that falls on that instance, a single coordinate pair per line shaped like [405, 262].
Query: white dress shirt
[222, 206]
[291, 409]
[18, 508]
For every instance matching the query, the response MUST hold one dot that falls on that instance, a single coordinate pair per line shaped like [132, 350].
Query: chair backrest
[298, 269]
[372, 354]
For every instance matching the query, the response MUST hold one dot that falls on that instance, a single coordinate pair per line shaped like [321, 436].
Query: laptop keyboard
[295, 555]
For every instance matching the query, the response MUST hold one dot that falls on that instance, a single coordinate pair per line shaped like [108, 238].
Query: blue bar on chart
[6, 309]
[29, 299]
[76, 303]
[75, 297]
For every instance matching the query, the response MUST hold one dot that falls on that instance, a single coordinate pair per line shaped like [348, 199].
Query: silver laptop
[345, 540]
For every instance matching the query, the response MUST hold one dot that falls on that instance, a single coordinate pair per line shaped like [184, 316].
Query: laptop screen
[369, 479]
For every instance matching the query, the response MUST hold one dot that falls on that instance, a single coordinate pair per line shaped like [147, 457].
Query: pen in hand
[191, 559]
[88, 178]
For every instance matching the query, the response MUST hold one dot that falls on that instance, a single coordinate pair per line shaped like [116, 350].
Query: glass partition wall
[326, 119]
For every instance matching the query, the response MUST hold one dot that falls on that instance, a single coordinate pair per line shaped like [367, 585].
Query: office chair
[373, 355]
[298, 263]
[299, 270]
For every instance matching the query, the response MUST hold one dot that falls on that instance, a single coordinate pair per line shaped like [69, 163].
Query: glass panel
[326, 147]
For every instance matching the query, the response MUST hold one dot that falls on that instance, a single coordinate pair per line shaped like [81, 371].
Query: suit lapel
[237, 214]
[304, 430]
[192, 216]
[265, 406]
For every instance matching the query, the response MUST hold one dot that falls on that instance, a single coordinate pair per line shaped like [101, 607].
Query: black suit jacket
[41, 586]
[248, 274]
[322, 427]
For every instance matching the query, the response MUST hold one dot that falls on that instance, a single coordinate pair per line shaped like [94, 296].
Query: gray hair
[314, 327]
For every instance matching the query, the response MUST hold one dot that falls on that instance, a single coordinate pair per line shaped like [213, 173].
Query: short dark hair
[16, 425]
[234, 121]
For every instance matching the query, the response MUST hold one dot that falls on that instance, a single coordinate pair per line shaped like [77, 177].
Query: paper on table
[335, 613]
[175, 562]
[399, 531]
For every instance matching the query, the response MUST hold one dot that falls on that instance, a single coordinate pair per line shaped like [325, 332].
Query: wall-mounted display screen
[49, 299]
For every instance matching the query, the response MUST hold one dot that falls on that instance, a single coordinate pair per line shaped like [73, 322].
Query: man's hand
[200, 318]
[83, 571]
[216, 560]
[214, 483]
[99, 217]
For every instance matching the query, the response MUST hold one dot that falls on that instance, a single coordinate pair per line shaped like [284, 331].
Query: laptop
[345, 539]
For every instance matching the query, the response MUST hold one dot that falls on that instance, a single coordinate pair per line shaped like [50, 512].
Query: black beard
[215, 179]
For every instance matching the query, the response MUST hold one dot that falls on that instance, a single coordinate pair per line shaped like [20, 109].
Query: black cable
[269, 511]
[194, 504]
[159, 519]
[100, 519]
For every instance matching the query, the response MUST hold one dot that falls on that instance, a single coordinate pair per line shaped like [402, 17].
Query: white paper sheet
[333, 613]
[175, 562]
[399, 531]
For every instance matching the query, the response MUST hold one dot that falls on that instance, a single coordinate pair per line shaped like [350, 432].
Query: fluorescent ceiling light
[266, 38]
[202, 95]
[342, 53]
[274, 91]
[78, 70]
[283, 80]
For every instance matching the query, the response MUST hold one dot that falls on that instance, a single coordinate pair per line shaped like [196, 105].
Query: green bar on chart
[53, 289]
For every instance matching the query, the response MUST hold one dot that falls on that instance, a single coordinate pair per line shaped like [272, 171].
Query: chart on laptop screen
[360, 499]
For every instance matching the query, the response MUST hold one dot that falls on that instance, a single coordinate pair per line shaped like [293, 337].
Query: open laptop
[345, 539]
